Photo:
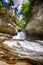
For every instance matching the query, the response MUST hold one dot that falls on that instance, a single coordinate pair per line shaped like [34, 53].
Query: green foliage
[26, 10]
[20, 24]
[0, 4]
[2, 7]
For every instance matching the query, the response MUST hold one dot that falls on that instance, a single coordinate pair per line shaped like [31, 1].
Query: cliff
[35, 25]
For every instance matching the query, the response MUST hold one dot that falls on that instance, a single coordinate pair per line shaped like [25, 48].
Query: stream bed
[23, 48]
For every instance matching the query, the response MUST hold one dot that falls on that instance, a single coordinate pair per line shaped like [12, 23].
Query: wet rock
[18, 52]
[7, 29]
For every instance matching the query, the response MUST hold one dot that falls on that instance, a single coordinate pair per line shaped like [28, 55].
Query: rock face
[36, 23]
[7, 29]
[7, 25]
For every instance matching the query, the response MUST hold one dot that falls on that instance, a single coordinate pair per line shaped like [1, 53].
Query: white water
[20, 35]
[24, 48]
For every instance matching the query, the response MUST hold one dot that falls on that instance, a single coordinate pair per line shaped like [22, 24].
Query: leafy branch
[26, 10]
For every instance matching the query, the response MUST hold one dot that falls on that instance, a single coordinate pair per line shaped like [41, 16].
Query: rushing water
[25, 49]
[20, 35]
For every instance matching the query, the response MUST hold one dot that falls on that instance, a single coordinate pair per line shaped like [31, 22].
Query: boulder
[35, 25]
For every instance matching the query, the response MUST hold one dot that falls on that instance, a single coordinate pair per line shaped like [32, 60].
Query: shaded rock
[35, 26]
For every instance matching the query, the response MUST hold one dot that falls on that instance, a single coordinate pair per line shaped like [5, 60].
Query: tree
[26, 10]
